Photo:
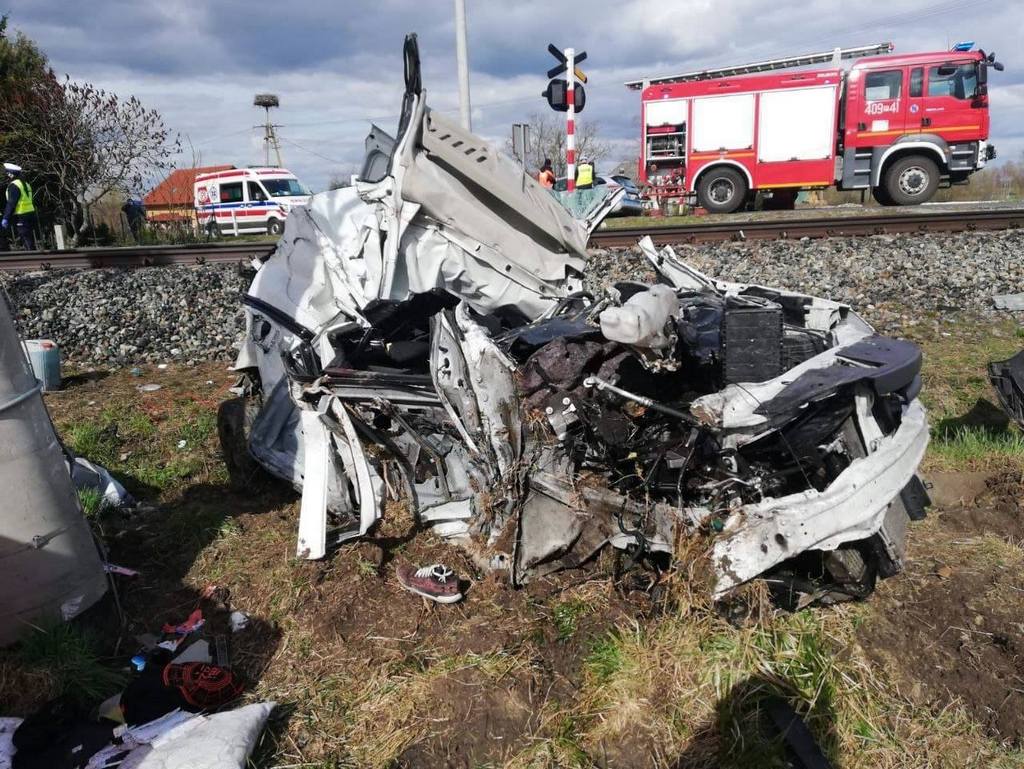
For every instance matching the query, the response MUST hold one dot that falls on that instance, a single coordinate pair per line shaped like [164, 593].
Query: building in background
[171, 201]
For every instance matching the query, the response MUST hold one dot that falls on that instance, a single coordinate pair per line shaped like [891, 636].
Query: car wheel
[275, 227]
[912, 180]
[722, 190]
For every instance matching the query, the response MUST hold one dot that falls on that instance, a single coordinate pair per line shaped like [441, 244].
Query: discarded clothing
[192, 686]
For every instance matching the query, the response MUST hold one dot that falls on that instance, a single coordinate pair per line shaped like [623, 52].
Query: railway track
[133, 256]
[816, 227]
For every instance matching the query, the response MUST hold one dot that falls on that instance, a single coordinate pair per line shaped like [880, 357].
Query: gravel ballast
[155, 314]
[126, 316]
[892, 280]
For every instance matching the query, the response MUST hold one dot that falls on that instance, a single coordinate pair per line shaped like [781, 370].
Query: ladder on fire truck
[835, 56]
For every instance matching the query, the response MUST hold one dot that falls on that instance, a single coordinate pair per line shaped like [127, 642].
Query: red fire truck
[898, 125]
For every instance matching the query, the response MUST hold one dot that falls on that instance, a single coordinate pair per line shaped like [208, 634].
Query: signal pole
[268, 101]
[570, 120]
[462, 61]
[562, 97]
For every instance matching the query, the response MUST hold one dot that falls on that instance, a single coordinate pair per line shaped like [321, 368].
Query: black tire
[275, 227]
[912, 180]
[235, 418]
[722, 190]
[881, 196]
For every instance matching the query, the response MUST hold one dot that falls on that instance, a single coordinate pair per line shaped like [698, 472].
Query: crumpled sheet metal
[853, 507]
[484, 448]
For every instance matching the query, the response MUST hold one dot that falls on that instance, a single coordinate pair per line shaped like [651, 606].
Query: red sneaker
[436, 582]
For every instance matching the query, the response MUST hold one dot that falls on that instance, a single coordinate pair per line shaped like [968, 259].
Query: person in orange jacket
[546, 177]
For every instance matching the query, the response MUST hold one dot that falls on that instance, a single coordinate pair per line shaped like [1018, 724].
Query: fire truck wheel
[912, 180]
[722, 190]
[881, 196]
[275, 227]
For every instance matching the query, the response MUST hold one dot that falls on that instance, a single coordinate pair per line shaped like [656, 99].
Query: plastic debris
[121, 571]
[149, 388]
[174, 635]
[239, 621]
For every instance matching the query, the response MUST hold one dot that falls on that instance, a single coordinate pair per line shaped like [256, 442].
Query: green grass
[606, 657]
[566, 616]
[968, 444]
[197, 426]
[96, 442]
[67, 656]
[92, 502]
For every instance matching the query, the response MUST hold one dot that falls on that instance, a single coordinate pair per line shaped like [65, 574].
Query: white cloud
[338, 65]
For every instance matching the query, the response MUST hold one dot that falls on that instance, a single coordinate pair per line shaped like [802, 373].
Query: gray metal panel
[856, 169]
[49, 562]
[380, 146]
[522, 202]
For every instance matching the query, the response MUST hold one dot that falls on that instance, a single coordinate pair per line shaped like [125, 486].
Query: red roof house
[171, 200]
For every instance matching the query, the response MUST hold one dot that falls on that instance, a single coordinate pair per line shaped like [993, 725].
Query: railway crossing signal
[568, 97]
[556, 94]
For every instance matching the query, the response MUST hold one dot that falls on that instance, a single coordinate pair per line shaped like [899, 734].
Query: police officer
[585, 174]
[20, 209]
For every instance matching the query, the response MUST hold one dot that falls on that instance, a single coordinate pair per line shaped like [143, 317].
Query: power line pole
[268, 101]
[462, 60]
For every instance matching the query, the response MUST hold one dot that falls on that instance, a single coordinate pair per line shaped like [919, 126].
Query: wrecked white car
[423, 336]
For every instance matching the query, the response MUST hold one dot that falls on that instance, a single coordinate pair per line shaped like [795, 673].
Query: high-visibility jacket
[585, 175]
[25, 204]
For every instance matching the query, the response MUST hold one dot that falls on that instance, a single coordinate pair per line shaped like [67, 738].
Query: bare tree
[547, 141]
[85, 143]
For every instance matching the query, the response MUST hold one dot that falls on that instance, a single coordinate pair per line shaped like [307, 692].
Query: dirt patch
[949, 629]
[478, 721]
[980, 503]
[957, 488]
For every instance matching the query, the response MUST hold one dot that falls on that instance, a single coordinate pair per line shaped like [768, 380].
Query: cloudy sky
[336, 65]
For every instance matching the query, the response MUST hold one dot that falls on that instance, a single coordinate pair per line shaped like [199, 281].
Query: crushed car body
[424, 337]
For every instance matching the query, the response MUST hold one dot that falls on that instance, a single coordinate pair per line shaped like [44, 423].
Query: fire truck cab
[900, 126]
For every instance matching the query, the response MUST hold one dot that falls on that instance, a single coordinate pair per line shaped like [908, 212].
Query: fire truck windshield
[962, 84]
[280, 188]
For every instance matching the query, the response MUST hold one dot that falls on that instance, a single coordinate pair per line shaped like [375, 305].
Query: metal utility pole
[49, 562]
[462, 59]
[268, 101]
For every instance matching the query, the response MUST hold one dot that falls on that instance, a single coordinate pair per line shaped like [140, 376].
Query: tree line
[77, 143]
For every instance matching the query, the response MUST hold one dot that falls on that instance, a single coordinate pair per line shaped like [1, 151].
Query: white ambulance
[242, 201]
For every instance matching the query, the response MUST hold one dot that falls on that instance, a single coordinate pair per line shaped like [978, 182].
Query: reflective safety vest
[585, 175]
[25, 204]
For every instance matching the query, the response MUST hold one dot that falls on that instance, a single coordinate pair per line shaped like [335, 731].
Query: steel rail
[714, 232]
[133, 256]
[817, 227]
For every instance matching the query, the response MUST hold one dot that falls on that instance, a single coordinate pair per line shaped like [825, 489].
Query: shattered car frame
[424, 336]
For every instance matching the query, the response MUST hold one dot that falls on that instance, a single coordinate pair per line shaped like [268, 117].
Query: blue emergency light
[966, 45]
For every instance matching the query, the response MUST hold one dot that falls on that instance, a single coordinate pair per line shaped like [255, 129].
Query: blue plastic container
[44, 355]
